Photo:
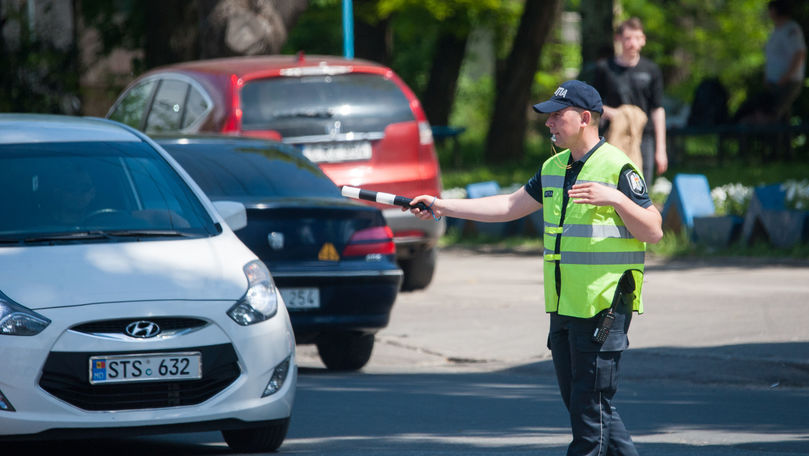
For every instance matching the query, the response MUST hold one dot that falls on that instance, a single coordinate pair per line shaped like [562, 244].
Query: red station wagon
[357, 119]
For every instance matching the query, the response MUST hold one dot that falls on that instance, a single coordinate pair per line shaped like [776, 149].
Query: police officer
[598, 217]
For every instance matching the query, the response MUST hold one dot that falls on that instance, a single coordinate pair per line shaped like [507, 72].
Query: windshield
[323, 105]
[250, 173]
[87, 191]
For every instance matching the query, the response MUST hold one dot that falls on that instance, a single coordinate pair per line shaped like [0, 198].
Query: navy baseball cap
[572, 93]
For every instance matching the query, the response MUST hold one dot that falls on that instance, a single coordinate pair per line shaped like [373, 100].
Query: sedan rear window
[323, 104]
[94, 191]
[250, 172]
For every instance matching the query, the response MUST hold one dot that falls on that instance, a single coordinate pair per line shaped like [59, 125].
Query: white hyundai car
[127, 303]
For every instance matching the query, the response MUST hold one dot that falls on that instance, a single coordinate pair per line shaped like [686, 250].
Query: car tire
[345, 351]
[263, 439]
[418, 269]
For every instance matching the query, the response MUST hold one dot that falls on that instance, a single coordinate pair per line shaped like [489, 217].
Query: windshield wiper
[93, 235]
[148, 233]
[67, 236]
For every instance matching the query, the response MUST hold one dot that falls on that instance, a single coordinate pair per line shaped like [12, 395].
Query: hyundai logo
[142, 329]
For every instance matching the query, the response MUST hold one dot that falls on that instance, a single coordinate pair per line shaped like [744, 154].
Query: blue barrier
[481, 189]
[690, 197]
[768, 219]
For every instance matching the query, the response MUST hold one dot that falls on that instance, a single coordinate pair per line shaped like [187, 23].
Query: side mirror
[234, 213]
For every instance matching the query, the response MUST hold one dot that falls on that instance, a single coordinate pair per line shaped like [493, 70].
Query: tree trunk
[596, 35]
[439, 95]
[373, 41]
[246, 27]
[171, 32]
[373, 36]
[506, 135]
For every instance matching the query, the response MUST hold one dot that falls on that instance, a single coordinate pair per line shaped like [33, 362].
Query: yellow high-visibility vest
[596, 248]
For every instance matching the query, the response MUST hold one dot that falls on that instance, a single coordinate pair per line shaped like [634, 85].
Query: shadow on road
[675, 401]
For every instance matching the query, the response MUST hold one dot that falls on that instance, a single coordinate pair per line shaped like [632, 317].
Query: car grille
[66, 376]
[166, 324]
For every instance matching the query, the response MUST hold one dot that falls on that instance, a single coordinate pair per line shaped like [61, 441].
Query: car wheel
[345, 351]
[418, 270]
[252, 440]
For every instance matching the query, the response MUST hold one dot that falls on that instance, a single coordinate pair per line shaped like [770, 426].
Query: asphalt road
[718, 366]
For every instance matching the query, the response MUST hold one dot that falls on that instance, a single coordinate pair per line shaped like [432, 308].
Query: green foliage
[35, 76]
[696, 39]
[415, 25]
[318, 30]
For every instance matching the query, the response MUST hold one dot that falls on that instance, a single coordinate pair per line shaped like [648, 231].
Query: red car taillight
[377, 240]
[233, 122]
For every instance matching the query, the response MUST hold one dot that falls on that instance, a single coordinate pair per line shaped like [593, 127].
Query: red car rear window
[323, 104]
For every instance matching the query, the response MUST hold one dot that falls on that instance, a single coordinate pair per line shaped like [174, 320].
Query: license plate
[338, 152]
[145, 367]
[301, 298]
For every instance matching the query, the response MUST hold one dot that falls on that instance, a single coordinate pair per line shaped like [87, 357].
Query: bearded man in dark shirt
[629, 79]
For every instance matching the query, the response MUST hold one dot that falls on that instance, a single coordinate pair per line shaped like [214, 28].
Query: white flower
[662, 186]
[797, 193]
[731, 199]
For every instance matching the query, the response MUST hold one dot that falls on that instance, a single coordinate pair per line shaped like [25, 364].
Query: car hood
[40, 277]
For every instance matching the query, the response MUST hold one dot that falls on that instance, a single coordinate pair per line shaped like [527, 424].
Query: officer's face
[565, 125]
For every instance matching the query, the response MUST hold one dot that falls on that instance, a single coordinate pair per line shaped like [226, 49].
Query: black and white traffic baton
[384, 198]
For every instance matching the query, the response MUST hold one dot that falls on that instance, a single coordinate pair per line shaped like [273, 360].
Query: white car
[127, 303]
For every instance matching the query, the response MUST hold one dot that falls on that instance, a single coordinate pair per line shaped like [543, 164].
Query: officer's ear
[586, 118]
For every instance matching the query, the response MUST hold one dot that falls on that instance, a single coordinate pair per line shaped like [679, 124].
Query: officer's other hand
[594, 193]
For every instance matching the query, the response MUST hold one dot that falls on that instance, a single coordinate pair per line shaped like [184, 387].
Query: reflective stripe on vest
[596, 248]
[621, 258]
[597, 231]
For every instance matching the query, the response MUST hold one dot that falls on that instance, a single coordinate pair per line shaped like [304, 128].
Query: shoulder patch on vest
[636, 183]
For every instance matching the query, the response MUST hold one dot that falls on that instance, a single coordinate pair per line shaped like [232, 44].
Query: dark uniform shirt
[640, 85]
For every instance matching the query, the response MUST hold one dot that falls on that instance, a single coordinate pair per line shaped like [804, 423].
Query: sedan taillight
[371, 241]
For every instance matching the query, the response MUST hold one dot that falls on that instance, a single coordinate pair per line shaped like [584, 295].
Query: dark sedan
[332, 258]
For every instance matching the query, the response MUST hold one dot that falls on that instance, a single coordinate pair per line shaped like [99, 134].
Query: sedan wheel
[345, 351]
[267, 438]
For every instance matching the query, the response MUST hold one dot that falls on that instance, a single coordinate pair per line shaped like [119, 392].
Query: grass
[673, 245]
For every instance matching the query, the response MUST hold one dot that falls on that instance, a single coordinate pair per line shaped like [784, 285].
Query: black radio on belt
[622, 293]
[604, 325]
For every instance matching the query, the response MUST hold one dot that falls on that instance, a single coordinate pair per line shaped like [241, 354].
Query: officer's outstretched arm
[497, 208]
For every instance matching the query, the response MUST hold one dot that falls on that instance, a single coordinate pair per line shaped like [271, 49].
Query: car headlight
[261, 300]
[16, 320]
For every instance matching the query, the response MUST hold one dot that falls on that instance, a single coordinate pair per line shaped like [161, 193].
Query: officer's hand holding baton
[433, 207]
[422, 206]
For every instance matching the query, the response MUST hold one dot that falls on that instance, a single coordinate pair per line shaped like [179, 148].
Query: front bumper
[258, 350]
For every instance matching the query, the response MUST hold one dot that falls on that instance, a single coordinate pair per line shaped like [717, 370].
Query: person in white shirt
[784, 69]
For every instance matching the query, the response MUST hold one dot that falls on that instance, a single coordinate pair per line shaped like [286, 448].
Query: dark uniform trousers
[587, 373]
